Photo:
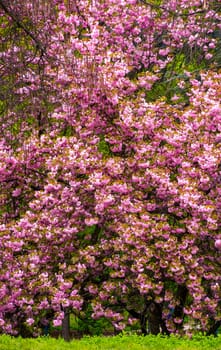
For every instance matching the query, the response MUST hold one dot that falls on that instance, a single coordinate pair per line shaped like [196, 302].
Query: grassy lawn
[112, 343]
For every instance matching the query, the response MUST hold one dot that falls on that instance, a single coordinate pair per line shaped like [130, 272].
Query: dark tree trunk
[154, 318]
[152, 313]
[143, 324]
[164, 328]
[66, 326]
[214, 328]
[182, 294]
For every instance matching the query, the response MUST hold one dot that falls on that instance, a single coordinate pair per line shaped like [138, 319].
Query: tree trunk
[164, 328]
[66, 326]
[154, 318]
[214, 328]
[182, 294]
[143, 324]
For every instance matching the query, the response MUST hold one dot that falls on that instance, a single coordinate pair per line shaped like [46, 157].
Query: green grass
[124, 342]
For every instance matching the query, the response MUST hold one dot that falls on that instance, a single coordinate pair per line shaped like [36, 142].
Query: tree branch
[159, 7]
[38, 44]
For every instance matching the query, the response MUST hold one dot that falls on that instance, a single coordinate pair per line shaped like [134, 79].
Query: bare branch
[38, 44]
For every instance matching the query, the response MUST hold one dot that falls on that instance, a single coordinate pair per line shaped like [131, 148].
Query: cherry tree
[113, 199]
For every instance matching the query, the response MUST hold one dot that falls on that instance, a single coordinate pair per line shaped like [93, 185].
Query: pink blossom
[218, 244]
[91, 221]
[208, 56]
[16, 192]
[30, 321]
[57, 322]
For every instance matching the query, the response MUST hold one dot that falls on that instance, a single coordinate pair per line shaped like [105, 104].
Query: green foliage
[77, 54]
[68, 131]
[217, 51]
[173, 73]
[90, 326]
[104, 148]
[2, 107]
[120, 342]
[89, 230]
